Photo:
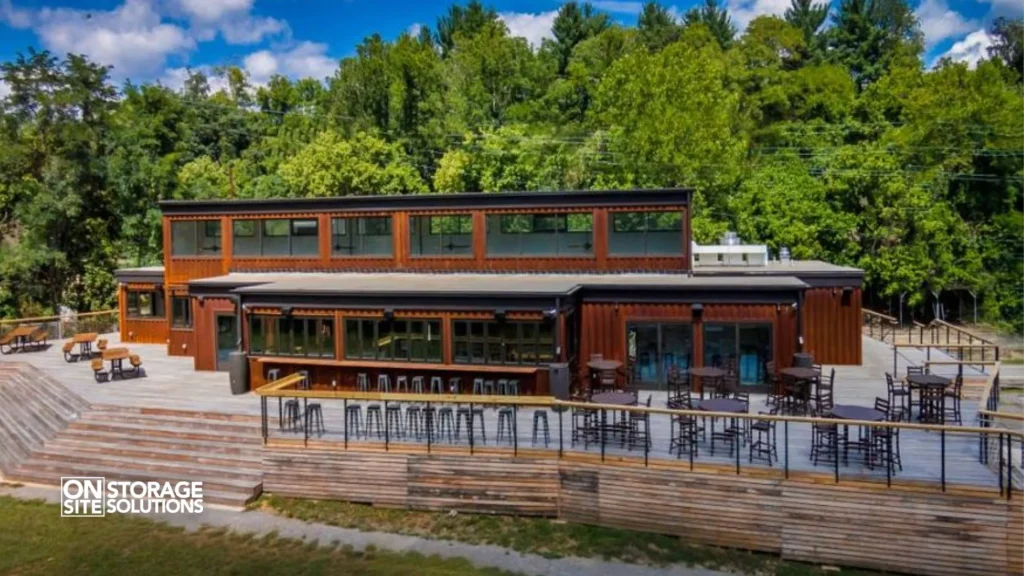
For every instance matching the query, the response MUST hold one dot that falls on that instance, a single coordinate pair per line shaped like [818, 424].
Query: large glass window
[275, 237]
[399, 339]
[195, 238]
[181, 312]
[656, 349]
[646, 233]
[291, 336]
[361, 236]
[743, 347]
[441, 235]
[493, 342]
[145, 303]
[540, 235]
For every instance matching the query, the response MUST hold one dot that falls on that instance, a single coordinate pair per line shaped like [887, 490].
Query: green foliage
[833, 141]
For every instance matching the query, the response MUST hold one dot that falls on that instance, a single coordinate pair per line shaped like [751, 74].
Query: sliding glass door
[654, 347]
[745, 347]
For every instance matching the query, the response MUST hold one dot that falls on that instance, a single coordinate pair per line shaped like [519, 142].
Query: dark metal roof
[466, 200]
[147, 274]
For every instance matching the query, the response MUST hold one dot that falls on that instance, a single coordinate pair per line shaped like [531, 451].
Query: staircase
[130, 443]
[33, 410]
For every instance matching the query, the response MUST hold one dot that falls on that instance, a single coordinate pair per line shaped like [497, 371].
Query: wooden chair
[899, 394]
[952, 405]
[101, 344]
[98, 370]
[69, 352]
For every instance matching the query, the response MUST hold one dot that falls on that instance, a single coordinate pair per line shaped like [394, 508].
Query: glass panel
[664, 233]
[375, 236]
[719, 345]
[255, 335]
[626, 236]
[400, 332]
[133, 303]
[146, 304]
[433, 337]
[327, 338]
[227, 338]
[477, 349]
[441, 235]
[353, 342]
[646, 233]
[275, 238]
[460, 338]
[510, 334]
[528, 342]
[494, 347]
[181, 312]
[183, 238]
[755, 352]
[676, 348]
[304, 238]
[546, 342]
[271, 335]
[342, 238]
[209, 237]
[643, 352]
[540, 234]
[368, 338]
[245, 238]
[385, 340]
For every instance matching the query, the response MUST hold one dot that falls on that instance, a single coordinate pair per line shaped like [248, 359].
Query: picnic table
[116, 356]
[84, 341]
[18, 339]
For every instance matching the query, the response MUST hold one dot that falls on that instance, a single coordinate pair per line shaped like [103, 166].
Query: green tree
[716, 19]
[1009, 43]
[808, 17]
[657, 27]
[573, 25]
[466, 21]
[868, 35]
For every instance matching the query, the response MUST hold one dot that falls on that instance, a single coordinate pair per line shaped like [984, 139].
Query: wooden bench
[69, 351]
[38, 338]
[7, 343]
[97, 370]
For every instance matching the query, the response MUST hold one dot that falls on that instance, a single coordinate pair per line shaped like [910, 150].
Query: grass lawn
[34, 539]
[541, 536]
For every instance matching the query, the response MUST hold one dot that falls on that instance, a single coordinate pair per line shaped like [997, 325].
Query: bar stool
[489, 387]
[506, 424]
[363, 382]
[383, 383]
[436, 385]
[354, 419]
[541, 417]
[373, 417]
[291, 414]
[314, 419]
[275, 374]
[414, 421]
[503, 387]
[429, 421]
[455, 385]
[417, 385]
[445, 422]
[393, 417]
[304, 384]
[402, 384]
[478, 385]
[513, 387]
[463, 414]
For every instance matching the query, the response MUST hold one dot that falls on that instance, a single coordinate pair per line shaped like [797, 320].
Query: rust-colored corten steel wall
[603, 328]
[179, 270]
[139, 330]
[832, 325]
[205, 344]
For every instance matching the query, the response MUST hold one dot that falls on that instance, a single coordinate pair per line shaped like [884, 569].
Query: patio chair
[952, 396]
[101, 344]
[684, 429]
[98, 370]
[899, 394]
[824, 436]
[763, 439]
[884, 439]
[640, 427]
[69, 352]
[822, 384]
[136, 363]
[932, 400]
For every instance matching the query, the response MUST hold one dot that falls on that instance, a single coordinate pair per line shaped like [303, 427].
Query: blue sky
[149, 40]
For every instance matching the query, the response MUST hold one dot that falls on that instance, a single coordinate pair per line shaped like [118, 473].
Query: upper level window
[195, 238]
[363, 236]
[540, 235]
[646, 233]
[275, 237]
[145, 303]
[441, 235]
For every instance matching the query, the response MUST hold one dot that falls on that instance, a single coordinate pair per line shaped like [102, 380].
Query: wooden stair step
[191, 414]
[240, 428]
[151, 465]
[118, 448]
[57, 469]
[170, 443]
[163, 432]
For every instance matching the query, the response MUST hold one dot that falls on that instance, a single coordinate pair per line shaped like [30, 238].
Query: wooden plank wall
[832, 325]
[181, 342]
[910, 529]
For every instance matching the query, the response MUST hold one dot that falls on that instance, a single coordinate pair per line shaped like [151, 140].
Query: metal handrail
[58, 317]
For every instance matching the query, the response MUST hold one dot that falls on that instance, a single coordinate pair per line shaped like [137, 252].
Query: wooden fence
[60, 327]
[804, 517]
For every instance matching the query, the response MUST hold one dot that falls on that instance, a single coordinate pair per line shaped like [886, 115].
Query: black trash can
[238, 372]
[558, 380]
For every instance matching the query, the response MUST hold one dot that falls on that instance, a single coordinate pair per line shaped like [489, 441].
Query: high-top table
[932, 383]
[712, 374]
[858, 413]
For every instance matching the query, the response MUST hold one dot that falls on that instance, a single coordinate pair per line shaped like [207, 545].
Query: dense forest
[822, 131]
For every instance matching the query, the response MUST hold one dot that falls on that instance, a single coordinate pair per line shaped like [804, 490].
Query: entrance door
[227, 339]
[655, 347]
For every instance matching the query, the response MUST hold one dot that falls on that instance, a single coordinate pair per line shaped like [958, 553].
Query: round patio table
[722, 405]
[614, 398]
[931, 382]
[604, 364]
[801, 373]
[928, 380]
[862, 413]
[713, 375]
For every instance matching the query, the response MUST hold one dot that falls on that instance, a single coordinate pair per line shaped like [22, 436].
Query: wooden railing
[880, 326]
[285, 388]
[60, 327]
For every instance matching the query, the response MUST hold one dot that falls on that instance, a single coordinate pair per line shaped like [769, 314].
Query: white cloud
[1010, 8]
[304, 60]
[14, 17]
[618, 7]
[132, 38]
[213, 11]
[250, 30]
[972, 49]
[174, 78]
[233, 19]
[534, 27]
[743, 11]
[939, 22]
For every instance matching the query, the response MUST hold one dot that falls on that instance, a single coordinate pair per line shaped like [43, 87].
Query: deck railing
[880, 326]
[60, 327]
[948, 338]
[606, 442]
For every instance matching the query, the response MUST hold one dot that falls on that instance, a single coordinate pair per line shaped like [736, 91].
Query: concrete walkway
[261, 523]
